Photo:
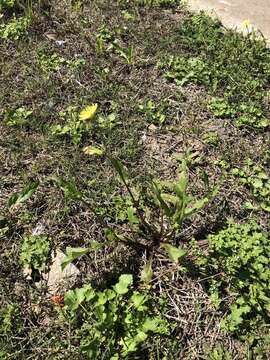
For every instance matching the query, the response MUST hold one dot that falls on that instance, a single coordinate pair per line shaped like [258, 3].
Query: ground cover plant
[135, 143]
[213, 62]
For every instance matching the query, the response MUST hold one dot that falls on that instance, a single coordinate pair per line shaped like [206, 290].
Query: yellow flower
[246, 23]
[91, 150]
[89, 112]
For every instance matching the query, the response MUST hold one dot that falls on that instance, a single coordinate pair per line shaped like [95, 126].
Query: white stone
[58, 280]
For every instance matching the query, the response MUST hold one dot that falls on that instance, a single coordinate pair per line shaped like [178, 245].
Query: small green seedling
[23, 195]
[34, 252]
[154, 113]
[18, 117]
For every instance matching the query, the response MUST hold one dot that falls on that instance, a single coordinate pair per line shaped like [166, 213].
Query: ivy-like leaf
[123, 284]
[138, 300]
[73, 298]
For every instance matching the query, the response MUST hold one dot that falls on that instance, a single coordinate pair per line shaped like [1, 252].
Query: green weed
[257, 180]
[211, 138]
[23, 195]
[76, 126]
[107, 41]
[18, 117]
[113, 323]
[188, 70]
[11, 324]
[241, 254]
[155, 215]
[151, 3]
[9, 319]
[154, 113]
[34, 252]
[54, 63]
[108, 122]
[219, 353]
[235, 68]
[173, 203]
[6, 4]
[221, 108]
[15, 29]
[73, 128]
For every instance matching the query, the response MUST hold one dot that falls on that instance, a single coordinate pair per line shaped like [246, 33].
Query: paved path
[232, 13]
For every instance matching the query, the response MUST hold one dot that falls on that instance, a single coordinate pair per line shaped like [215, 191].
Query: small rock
[51, 36]
[152, 127]
[144, 137]
[60, 42]
[58, 280]
[27, 272]
[18, 289]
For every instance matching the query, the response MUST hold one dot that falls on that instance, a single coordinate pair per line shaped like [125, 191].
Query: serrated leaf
[69, 188]
[150, 325]
[170, 198]
[95, 245]
[182, 182]
[72, 254]
[131, 214]
[174, 253]
[160, 199]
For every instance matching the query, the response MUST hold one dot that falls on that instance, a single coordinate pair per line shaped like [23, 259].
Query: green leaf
[72, 254]
[174, 253]
[182, 182]
[123, 284]
[151, 325]
[138, 300]
[170, 198]
[69, 189]
[131, 214]
[257, 183]
[118, 166]
[197, 206]
[23, 195]
[160, 199]
[130, 344]
[95, 245]
[147, 272]
[73, 298]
